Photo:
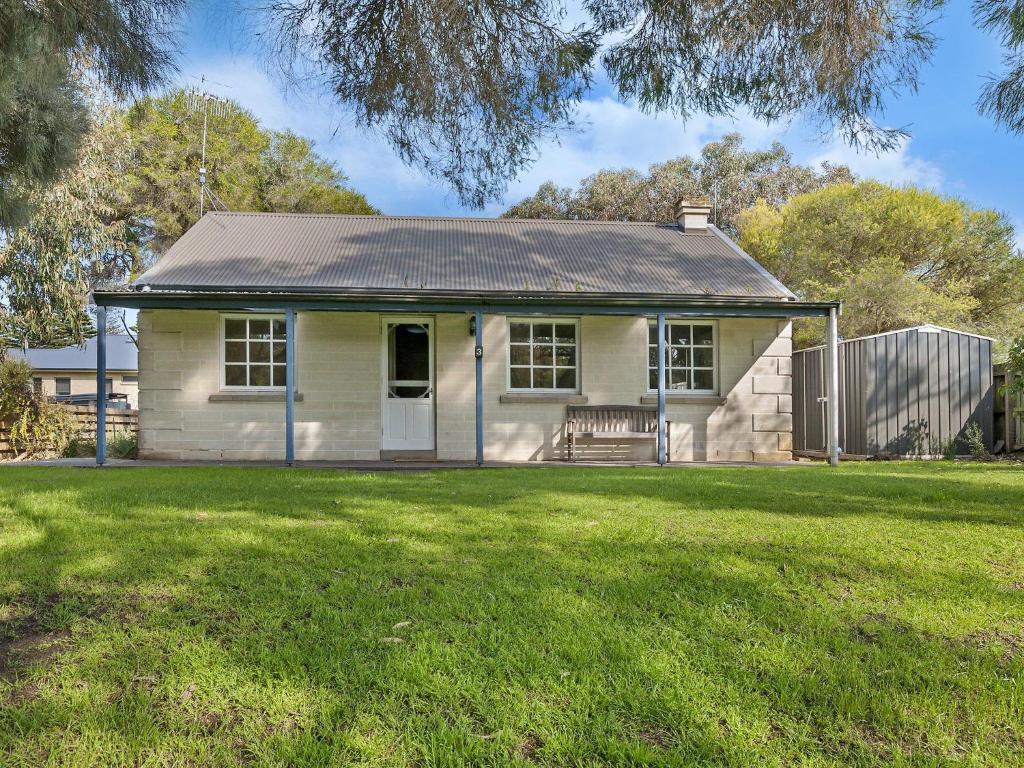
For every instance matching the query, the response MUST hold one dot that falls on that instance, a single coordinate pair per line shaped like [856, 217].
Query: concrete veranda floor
[393, 465]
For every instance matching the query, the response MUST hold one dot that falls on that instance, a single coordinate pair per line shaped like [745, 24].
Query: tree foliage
[79, 236]
[249, 168]
[467, 91]
[1003, 98]
[44, 47]
[733, 177]
[132, 192]
[897, 256]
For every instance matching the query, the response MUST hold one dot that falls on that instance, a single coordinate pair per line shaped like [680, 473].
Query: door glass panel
[408, 360]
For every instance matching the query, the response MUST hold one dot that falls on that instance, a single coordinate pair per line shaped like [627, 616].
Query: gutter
[186, 297]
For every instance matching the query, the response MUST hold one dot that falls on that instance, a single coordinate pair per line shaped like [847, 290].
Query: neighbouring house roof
[250, 252]
[122, 355]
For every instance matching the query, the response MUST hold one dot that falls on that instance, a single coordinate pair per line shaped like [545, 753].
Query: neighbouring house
[330, 337]
[908, 392]
[68, 374]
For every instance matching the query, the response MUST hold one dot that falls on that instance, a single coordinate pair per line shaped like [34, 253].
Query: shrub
[975, 440]
[37, 427]
[15, 388]
[121, 444]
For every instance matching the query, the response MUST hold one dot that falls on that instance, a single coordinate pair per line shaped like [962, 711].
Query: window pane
[565, 355]
[652, 379]
[234, 351]
[565, 332]
[520, 378]
[679, 378]
[542, 333]
[679, 357]
[519, 354]
[234, 375]
[652, 335]
[565, 378]
[280, 352]
[234, 329]
[259, 376]
[519, 331]
[279, 329]
[259, 329]
[542, 355]
[63, 386]
[542, 378]
[652, 356]
[704, 357]
[703, 334]
[679, 334]
[703, 379]
[280, 372]
[259, 352]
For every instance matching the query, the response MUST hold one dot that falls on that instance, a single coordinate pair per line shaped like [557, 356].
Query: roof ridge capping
[419, 217]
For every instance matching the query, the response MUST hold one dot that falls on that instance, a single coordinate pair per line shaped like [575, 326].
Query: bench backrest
[613, 418]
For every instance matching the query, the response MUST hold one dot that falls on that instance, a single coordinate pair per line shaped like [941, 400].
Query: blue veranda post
[289, 379]
[478, 353]
[661, 390]
[101, 386]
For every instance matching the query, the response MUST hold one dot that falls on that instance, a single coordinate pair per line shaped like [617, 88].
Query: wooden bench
[613, 422]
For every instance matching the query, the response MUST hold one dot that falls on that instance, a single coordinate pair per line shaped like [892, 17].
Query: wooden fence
[118, 420]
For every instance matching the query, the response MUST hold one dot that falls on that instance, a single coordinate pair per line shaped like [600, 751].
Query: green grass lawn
[868, 615]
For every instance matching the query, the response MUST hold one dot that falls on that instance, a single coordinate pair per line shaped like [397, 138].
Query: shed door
[408, 403]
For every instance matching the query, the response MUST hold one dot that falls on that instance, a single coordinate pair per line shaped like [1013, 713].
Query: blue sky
[952, 150]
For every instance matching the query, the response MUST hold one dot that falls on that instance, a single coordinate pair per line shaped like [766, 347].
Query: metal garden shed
[910, 392]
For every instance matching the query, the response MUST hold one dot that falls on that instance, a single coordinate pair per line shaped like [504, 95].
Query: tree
[1003, 98]
[468, 91]
[294, 179]
[248, 168]
[45, 47]
[79, 237]
[734, 178]
[897, 256]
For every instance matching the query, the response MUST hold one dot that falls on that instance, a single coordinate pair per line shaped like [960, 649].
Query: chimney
[692, 215]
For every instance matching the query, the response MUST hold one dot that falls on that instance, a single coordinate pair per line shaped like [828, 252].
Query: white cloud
[897, 167]
[610, 135]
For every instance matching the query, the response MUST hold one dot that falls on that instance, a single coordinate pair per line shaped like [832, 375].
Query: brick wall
[338, 375]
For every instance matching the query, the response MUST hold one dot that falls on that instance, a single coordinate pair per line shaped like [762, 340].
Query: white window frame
[56, 386]
[653, 323]
[223, 349]
[574, 321]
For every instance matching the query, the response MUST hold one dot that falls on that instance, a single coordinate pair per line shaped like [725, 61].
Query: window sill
[684, 399]
[251, 397]
[552, 398]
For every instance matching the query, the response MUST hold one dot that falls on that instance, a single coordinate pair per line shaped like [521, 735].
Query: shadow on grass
[558, 616]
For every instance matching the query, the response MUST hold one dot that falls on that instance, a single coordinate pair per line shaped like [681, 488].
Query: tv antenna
[200, 100]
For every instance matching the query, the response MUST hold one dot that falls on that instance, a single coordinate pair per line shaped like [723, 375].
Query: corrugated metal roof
[270, 251]
[122, 355]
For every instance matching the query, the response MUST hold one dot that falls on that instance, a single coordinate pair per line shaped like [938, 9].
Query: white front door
[408, 384]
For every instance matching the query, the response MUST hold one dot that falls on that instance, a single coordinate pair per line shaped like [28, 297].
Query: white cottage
[326, 337]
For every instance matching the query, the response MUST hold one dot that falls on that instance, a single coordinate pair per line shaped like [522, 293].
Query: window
[129, 379]
[63, 386]
[37, 386]
[254, 351]
[110, 387]
[543, 355]
[690, 357]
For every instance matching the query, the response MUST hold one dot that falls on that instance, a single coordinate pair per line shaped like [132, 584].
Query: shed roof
[321, 252]
[122, 355]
